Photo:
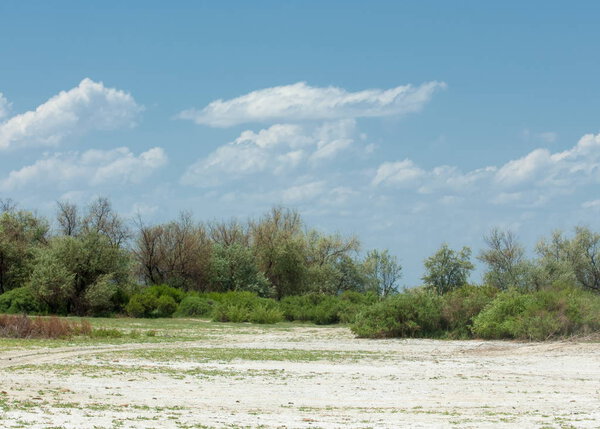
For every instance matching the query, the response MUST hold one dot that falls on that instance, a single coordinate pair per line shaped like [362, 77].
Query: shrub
[154, 301]
[239, 307]
[20, 300]
[265, 314]
[141, 305]
[165, 306]
[540, 315]
[228, 312]
[461, 305]
[165, 290]
[13, 326]
[195, 306]
[409, 314]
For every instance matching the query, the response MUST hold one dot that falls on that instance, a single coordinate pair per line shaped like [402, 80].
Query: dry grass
[21, 326]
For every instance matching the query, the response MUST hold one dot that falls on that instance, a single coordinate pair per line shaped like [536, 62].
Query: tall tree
[448, 269]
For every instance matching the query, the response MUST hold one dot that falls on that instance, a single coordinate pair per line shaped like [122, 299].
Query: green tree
[21, 233]
[448, 269]
[233, 268]
[81, 274]
[505, 259]
[279, 246]
[382, 271]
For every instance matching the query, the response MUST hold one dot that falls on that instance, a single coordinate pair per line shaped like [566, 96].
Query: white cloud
[303, 102]
[89, 106]
[303, 192]
[539, 176]
[93, 167]
[5, 106]
[401, 173]
[592, 204]
[524, 169]
[279, 149]
[548, 137]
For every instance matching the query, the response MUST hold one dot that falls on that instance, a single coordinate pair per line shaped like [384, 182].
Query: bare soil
[302, 377]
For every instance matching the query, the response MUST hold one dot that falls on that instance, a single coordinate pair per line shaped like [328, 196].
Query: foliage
[20, 300]
[382, 272]
[80, 274]
[463, 304]
[240, 307]
[233, 268]
[448, 269]
[155, 301]
[540, 315]
[415, 313]
[21, 234]
[195, 306]
[505, 259]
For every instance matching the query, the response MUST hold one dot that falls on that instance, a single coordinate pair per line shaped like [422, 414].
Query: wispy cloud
[5, 106]
[278, 149]
[534, 177]
[303, 102]
[92, 167]
[87, 107]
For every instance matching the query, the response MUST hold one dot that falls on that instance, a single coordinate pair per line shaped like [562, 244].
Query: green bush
[239, 307]
[265, 314]
[165, 306]
[540, 315]
[409, 314]
[141, 305]
[195, 306]
[463, 304]
[165, 290]
[20, 300]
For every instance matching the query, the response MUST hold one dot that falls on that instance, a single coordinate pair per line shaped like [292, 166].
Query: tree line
[90, 260]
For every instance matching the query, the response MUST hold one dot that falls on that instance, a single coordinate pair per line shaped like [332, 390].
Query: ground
[197, 374]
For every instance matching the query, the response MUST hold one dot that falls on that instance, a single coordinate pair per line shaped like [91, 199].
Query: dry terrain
[196, 374]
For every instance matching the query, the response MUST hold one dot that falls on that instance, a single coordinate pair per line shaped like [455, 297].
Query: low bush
[155, 301]
[20, 300]
[462, 305]
[541, 315]
[13, 326]
[265, 314]
[240, 307]
[325, 309]
[415, 313]
[195, 306]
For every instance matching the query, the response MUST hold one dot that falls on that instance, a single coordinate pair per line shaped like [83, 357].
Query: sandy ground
[303, 377]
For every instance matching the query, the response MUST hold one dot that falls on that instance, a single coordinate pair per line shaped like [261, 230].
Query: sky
[408, 124]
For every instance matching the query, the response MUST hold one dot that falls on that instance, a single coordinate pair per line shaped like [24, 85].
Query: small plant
[21, 326]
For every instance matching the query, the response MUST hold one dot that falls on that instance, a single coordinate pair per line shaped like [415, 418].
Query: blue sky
[408, 124]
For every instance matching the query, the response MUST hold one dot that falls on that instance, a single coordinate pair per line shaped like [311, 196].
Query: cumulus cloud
[87, 107]
[5, 106]
[535, 177]
[278, 149]
[92, 167]
[303, 102]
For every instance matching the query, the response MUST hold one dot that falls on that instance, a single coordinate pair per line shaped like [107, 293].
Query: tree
[279, 246]
[328, 262]
[80, 274]
[448, 269]
[233, 267]
[505, 260]
[68, 218]
[176, 253]
[584, 255]
[102, 219]
[382, 271]
[21, 233]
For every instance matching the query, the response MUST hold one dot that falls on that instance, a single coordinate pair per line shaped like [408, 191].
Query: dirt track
[305, 377]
